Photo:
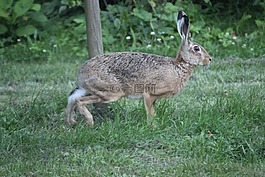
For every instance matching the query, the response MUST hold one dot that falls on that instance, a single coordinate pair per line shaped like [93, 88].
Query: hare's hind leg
[70, 113]
[74, 95]
[81, 102]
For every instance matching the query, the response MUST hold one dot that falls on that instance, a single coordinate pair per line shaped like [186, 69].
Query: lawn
[214, 127]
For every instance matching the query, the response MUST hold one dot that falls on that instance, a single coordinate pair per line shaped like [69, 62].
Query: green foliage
[21, 7]
[155, 30]
[23, 18]
[19, 18]
[148, 26]
[141, 28]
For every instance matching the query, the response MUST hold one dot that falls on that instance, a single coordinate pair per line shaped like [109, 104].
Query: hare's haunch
[109, 77]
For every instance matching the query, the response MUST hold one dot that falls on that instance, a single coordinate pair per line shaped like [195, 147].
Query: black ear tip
[181, 14]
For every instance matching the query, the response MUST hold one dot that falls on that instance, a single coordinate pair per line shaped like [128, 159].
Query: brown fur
[109, 77]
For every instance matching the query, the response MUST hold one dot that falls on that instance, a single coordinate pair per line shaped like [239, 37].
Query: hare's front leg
[149, 102]
[77, 93]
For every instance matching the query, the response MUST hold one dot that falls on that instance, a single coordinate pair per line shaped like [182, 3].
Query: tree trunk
[93, 26]
[94, 44]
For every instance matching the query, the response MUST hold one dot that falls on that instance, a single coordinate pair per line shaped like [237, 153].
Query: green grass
[225, 100]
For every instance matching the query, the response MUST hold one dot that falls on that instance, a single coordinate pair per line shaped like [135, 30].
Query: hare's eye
[196, 48]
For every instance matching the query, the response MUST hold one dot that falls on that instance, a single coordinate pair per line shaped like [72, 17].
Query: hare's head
[190, 52]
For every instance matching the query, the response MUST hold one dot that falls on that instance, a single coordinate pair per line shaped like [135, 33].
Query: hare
[109, 77]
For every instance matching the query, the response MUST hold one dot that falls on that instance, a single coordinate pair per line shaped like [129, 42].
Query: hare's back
[125, 63]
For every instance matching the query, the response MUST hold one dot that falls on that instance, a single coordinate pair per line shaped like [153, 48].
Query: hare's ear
[183, 25]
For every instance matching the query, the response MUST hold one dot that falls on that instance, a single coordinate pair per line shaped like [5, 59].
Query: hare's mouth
[207, 61]
[204, 63]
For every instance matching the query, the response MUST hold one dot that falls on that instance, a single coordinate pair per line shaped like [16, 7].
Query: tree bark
[93, 26]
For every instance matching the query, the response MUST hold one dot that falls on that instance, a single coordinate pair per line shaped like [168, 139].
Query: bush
[20, 18]
[148, 26]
